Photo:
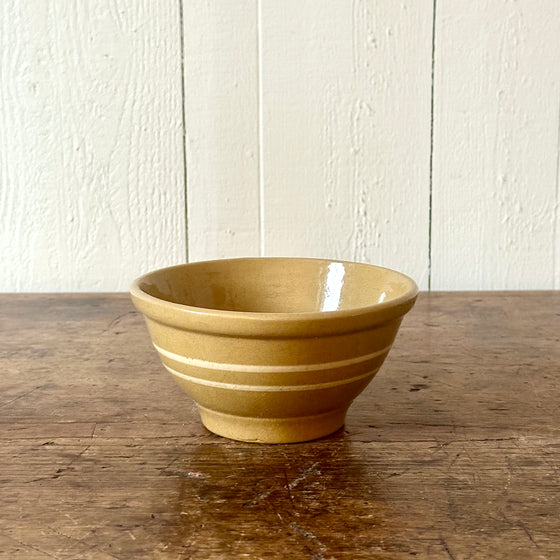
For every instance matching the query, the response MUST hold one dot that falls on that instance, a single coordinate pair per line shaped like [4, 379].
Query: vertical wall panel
[91, 193]
[221, 101]
[497, 86]
[345, 100]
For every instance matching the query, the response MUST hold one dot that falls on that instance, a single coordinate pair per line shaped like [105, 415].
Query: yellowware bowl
[273, 349]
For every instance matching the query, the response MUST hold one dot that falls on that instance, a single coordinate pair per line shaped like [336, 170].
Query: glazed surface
[276, 285]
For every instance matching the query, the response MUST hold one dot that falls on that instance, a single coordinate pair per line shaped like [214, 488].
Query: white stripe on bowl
[250, 368]
[269, 388]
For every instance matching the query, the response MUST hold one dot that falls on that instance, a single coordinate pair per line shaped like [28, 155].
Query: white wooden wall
[91, 149]
[421, 135]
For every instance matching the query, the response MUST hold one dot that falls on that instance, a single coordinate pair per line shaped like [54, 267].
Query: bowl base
[272, 430]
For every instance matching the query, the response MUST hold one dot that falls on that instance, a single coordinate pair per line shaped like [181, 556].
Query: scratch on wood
[182, 474]
[25, 545]
[80, 453]
[305, 474]
[197, 474]
[457, 455]
[289, 486]
[310, 537]
[258, 498]
[61, 471]
[71, 518]
[21, 396]
[79, 542]
[117, 320]
[169, 464]
[508, 482]
[446, 548]
[527, 532]
[289, 489]
[439, 446]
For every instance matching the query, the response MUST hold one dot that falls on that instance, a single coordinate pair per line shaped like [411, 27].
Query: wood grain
[451, 453]
[346, 131]
[91, 184]
[495, 180]
[222, 118]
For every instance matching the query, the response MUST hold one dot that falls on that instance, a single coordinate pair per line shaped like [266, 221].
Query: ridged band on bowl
[293, 388]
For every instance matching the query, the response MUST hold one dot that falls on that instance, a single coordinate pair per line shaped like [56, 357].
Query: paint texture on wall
[91, 174]
[419, 135]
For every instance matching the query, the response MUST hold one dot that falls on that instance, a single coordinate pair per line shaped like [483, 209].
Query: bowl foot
[272, 430]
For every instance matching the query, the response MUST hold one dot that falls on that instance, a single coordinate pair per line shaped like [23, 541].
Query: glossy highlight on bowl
[273, 349]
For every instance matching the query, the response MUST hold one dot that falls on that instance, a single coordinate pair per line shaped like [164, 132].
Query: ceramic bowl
[273, 349]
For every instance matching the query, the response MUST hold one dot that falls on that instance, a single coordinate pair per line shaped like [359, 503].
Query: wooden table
[452, 452]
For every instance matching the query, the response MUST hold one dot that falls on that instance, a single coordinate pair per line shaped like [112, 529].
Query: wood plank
[338, 499]
[453, 352]
[90, 110]
[346, 131]
[451, 452]
[221, 106]
[497, 85]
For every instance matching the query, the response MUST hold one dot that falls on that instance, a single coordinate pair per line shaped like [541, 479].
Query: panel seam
[184, 130]
[430, 213]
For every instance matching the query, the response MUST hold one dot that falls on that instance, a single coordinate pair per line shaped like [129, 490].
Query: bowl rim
[406, 299]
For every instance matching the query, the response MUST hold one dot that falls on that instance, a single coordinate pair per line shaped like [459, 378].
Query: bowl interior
[276, 285]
